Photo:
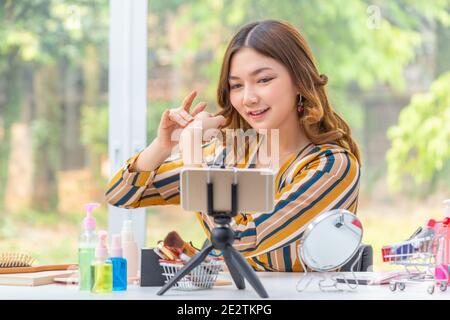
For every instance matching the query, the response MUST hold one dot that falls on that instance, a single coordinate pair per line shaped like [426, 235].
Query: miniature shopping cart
[425, 259]
[201, 277]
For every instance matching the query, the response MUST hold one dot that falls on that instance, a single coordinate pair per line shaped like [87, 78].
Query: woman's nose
[250, 97]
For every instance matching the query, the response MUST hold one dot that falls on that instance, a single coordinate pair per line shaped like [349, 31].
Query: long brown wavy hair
[283, 42]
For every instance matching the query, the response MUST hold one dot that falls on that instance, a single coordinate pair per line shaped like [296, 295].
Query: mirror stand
[351, 283]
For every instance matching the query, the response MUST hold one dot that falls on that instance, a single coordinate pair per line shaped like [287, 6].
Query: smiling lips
[257, 114]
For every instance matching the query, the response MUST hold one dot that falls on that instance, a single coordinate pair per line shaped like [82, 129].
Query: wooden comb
[23, 263]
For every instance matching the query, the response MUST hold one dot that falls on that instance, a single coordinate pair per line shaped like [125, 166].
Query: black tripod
[222, 238]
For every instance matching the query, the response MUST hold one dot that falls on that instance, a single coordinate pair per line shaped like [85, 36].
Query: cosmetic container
[119, 265]
[101, 268]
[86, 248]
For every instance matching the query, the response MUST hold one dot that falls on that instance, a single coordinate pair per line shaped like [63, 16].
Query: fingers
[219, 120]
[216, 122]
[187, 102]
[176, 117]
[165, 120]
[186, 116]
[202, 115]
[199, 108]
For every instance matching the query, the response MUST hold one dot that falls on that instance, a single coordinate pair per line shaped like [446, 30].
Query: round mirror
[331, 240]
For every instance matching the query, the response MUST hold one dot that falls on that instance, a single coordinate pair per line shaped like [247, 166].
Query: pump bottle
[101, 268]
[130, 250]
[119, 265]
[86, 247]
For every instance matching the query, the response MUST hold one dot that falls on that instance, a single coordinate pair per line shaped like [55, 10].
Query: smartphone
[255, 189]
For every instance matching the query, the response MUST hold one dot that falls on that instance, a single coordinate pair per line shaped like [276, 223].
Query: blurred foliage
[94, 125]
[421, 139]
[94, 128]
[154, 116]
[38, 37]
[44, 30]
[347, 46]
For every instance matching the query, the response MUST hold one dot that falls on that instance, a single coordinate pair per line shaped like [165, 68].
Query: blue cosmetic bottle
[119, 265]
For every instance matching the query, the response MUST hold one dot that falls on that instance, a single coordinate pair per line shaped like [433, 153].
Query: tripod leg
[234, 270]
[248, 272]
[195, 261]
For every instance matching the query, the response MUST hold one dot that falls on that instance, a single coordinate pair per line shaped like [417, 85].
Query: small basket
[201, 277]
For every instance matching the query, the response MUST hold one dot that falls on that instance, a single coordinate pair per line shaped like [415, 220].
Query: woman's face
[259, 83]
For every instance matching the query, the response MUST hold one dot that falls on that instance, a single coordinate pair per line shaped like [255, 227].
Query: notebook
[34, 278]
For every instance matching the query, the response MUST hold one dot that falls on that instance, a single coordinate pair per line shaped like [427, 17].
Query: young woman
[268, 80]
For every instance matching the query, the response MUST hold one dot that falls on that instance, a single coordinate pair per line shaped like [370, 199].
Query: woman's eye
[264, 80]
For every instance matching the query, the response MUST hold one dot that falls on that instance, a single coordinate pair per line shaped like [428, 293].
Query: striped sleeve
[329, 181]
[146, 188]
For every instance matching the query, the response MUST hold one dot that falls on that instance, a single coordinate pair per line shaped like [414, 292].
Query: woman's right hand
[177, 118]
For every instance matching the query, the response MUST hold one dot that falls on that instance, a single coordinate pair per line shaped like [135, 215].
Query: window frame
[127, 99]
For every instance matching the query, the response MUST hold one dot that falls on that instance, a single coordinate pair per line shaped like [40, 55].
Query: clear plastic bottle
[130, 250]
[101, 268]
[119, 265]
[86, 248]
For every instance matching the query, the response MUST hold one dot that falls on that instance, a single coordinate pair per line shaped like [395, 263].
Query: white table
[278, 285]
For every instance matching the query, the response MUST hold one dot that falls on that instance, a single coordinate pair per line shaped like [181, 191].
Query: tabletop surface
[278, 285]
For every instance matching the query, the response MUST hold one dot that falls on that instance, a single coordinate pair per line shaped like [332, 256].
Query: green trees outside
[421, 140]
[53, 62]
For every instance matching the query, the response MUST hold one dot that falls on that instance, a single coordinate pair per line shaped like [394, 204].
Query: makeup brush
[23, 263]
[204, 272]
[166, 251]
[173, 239]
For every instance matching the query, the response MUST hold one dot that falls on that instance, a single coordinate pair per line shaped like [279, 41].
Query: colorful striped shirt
[317, 178]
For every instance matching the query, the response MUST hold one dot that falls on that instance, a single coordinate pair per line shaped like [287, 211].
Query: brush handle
[50, 267]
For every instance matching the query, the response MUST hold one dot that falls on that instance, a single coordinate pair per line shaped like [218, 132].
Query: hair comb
[23, 263]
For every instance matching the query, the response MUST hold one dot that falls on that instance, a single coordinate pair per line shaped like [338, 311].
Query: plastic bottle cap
[89, 222]
[101, 251]
[127, 225]
[116, 246]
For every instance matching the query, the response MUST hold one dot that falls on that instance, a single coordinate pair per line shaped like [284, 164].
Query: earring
[300, 107]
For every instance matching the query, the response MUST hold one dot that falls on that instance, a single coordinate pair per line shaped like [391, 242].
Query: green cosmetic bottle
[86, 248]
